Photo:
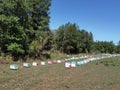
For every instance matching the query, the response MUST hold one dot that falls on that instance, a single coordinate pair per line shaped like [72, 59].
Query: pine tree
[22, 23]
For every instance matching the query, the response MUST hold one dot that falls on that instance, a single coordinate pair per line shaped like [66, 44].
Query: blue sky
[101, 17]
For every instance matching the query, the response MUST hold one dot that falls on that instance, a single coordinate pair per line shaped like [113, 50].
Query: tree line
[69, 38]
[24, 25]
[25, 31]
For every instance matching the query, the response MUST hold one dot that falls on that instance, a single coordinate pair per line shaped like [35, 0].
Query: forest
[25, 32]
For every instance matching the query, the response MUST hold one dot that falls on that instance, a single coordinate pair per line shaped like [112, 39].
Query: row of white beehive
[67, 64]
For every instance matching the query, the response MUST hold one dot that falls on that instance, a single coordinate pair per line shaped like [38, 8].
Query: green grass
[97, 75]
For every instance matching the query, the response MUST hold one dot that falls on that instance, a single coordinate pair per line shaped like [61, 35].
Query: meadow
[102, 74]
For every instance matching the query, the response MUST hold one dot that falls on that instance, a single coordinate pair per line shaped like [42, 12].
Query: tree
[118, 47]
[104, 46]
[22, 23]
[70, 39]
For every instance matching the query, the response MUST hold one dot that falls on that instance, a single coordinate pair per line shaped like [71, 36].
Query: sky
[101, 17]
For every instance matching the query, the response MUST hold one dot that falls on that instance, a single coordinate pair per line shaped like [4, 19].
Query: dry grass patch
[97, 75]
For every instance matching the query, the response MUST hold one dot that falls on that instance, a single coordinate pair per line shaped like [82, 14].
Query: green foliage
[15, 48]
[104, 47]
[24, 31]
[11, 31]
[118, 47]
[70, 39]
[23, 24]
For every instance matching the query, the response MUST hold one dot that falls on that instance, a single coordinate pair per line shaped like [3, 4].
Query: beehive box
[73, 64]
[58, 61]
[35, 64]
[79, 63]
[54, 62]
[43, 63]
[26, 65]
[14, 67]
[49, 62]
[67, 65]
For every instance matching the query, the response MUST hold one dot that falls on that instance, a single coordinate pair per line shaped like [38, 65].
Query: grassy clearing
[97, 75]
[57, 55]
